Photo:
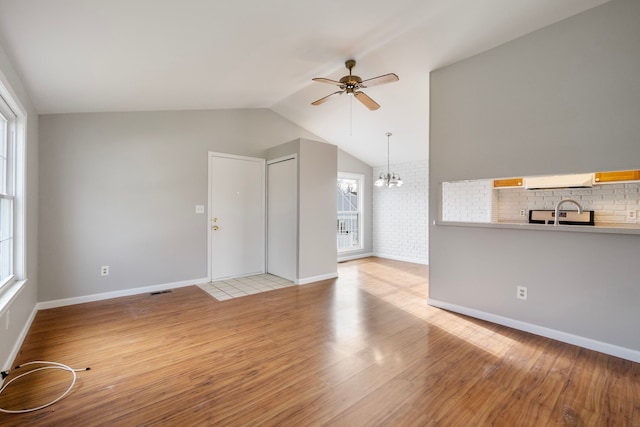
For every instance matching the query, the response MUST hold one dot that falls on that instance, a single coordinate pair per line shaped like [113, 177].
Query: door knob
[215, 228]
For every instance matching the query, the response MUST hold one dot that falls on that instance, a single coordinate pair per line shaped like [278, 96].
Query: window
[7, 193]
[349, 200]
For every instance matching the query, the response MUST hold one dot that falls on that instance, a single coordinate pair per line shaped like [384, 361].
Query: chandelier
[388, 179]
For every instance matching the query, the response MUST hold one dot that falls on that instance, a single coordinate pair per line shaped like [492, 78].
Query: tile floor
[243, 286]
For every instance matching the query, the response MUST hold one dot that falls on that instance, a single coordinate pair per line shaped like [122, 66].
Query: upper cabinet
[617, 176]
[583, 180]
[508, 183]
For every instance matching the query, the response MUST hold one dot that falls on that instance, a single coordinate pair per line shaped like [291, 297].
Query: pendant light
[388, 179]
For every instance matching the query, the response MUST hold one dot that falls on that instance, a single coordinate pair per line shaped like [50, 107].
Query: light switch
[199, 209]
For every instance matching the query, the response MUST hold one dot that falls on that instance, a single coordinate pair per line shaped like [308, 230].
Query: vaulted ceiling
[134, 55]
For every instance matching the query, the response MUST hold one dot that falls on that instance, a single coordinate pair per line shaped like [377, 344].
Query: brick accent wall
[401, 215]
[609, 201]
[467, 201]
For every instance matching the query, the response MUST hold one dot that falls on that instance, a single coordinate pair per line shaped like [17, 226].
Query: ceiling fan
[351, 85]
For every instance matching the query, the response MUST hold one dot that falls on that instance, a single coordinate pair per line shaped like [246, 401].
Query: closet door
[282, 218]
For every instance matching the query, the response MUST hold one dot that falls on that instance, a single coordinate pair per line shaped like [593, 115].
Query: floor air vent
[161, 292]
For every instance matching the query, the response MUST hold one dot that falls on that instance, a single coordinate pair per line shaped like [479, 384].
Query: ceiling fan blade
[368, 102]
[329, 81]
[326, 98]
[380, 80]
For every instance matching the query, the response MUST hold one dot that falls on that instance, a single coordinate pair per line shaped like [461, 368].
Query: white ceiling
[135, 55]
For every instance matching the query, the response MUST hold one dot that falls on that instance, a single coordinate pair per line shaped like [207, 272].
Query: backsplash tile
[610, 202]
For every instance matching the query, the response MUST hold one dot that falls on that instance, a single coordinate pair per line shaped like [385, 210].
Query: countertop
[598, 228]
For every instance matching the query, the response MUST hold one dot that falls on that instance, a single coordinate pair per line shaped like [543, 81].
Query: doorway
[236, 216]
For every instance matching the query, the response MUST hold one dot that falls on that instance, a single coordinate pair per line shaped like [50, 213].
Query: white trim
[588, 343]
[116, 294]
[13, 101]
[20, 200]
[399, 258]
[16, 174]
[9, 294]
[283, 159]
[348, 257]
[18, 344]
[210, 155]
[313, 279]
[361, 204]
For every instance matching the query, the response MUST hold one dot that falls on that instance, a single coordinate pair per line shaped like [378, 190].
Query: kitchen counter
[598, 228]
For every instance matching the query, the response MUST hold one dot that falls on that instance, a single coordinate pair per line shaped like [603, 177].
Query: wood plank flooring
[362, 350]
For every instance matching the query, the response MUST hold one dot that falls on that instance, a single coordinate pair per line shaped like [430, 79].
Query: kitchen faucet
[557, 209]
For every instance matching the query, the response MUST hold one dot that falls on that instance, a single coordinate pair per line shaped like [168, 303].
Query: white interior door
[236, 207]
[282, 219]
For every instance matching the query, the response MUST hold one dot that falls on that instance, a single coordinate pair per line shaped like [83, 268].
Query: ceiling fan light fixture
[351, 84]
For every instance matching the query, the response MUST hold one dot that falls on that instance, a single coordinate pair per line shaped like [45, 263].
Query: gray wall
[563, 99]
[350, 164]
[120, 189]
[318, 168]
[283, 150]
[317, 173]
[24, 304]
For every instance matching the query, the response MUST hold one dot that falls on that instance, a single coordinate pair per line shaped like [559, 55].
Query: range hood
[583, 180]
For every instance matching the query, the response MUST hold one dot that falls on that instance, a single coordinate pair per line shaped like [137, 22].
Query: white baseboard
[348, 257]
[313, 279]
[602, 347]
[88, 298]
[399, 258]
[16, 346]
[116, 294]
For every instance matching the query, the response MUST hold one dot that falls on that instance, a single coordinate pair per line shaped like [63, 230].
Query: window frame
[7, 183]
[16, 116]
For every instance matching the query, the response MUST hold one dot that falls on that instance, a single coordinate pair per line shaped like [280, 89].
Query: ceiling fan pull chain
[351, 116]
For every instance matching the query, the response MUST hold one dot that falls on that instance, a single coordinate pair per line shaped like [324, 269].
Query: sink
[565, 217]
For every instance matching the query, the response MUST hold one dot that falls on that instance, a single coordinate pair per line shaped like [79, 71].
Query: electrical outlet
[104, 270]
[522, 292]
[199, 209]
[632, 216]
[523, 212]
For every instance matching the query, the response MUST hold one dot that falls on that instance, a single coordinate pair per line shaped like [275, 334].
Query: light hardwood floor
[362, 350]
